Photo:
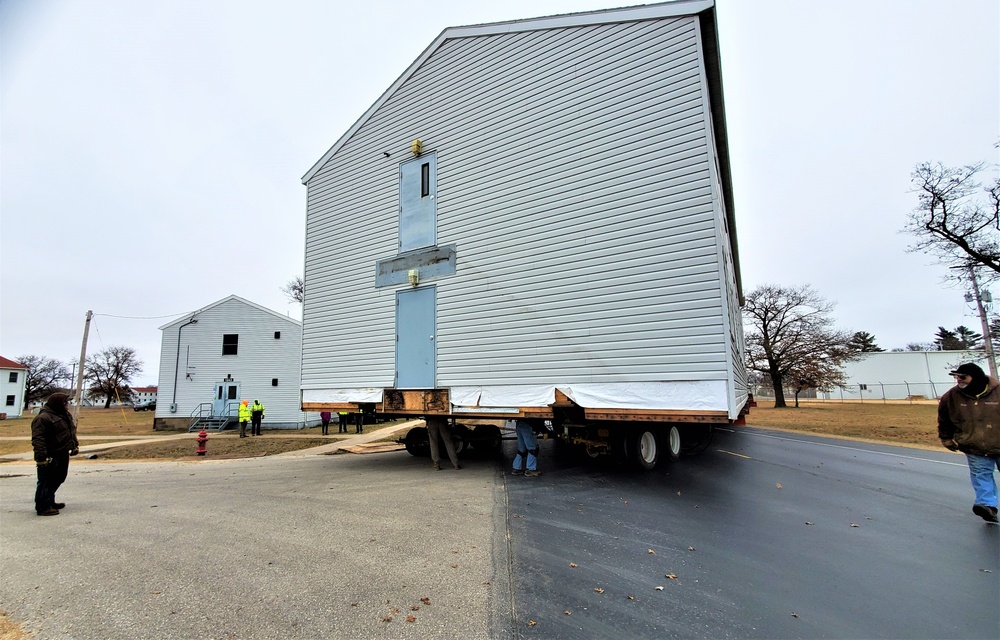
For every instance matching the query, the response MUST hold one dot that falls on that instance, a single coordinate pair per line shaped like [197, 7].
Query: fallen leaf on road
[567, 612]
[394, 610]
[650, 551]
[670, 575]
[855, 525]
[572, 564]
[411, 619]
[486, 581]
[659, 588]
[598, 590]
[690, 548]
[354, 604]
[531, 623]
[779, 485]
[454, 566]
[631, 597]
[795, 615]
[415, 607]
[425, 600]
[386, 618]
[809, 523]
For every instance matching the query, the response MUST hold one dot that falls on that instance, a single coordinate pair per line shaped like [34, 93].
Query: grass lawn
[96, 425]
[895, 423]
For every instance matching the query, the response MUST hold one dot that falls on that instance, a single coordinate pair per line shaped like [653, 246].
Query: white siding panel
[574, 179]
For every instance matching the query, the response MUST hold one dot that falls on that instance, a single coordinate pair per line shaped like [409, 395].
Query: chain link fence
[865, 392]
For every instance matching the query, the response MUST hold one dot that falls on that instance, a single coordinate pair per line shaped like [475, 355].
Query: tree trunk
[796, 398]
[107, 403]
[779, 391]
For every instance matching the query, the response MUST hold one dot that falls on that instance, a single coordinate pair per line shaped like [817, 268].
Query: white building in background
[231, 350]
[143, 394]
[897, 375]
[13, 376]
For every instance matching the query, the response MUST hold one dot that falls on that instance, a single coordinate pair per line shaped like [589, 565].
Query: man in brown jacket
[969, 421]
[53, 439]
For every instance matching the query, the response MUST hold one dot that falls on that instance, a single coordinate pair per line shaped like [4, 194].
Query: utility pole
[79, 373]
[987, 339]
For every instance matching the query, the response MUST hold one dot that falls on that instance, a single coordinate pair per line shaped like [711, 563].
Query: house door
[415, 352]
[227, 395]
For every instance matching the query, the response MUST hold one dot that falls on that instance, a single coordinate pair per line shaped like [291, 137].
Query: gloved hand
[949, 445]
[42, 463]
[74, 451]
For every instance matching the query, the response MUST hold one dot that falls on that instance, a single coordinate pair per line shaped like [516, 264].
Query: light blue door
[227, 394]
[417, 210]
[415, 352]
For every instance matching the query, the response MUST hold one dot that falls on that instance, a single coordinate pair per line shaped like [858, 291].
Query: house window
[230, 342]
[274, 382]
[13, 377]
[10, 401]
[863, 387]
[277, 335]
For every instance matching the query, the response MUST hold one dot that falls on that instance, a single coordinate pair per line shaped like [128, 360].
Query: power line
[176, 315]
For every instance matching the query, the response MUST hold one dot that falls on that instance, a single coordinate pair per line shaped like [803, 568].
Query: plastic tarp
[704, 395]
[365, 394]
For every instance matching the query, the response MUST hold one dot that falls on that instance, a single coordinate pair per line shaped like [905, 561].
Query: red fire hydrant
[202, 439]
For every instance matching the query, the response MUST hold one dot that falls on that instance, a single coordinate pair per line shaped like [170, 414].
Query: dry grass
[218, 447]
[10, 630]
[895, 423]
[95, 425]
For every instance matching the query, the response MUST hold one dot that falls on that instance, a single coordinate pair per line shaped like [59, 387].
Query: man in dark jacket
[53, 439]
[969, 421]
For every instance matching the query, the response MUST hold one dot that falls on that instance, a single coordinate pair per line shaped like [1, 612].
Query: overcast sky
[151, 152]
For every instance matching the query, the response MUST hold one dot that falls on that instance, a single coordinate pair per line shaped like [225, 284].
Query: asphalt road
[764, 535]
[757, 534]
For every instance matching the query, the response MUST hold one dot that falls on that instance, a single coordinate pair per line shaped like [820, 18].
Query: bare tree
[109, 373]
[789, 335]
[822, 373]
[43, 377]
[954, 220]
[295, 289]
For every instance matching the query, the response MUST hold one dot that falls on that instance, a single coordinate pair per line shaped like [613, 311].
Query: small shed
[230, 350]
[534, 206]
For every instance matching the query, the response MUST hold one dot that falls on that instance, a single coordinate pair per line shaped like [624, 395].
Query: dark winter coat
[53, 431]
[972, 422]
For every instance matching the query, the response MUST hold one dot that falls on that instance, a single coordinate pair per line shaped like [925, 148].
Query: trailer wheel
[696, 439]
[486, 438]
[673, 442]
[417, 442]
[644, 449]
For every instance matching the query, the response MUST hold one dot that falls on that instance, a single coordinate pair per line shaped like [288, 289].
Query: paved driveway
[296, 547]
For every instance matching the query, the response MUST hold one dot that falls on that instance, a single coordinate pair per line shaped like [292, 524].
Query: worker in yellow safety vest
[244, 417]
[256, 415]
[342, 418]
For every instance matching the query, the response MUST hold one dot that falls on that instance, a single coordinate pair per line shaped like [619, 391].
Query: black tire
[672, 443]
[486, 438]
[643, 448]
[695, 439]
[417, 443]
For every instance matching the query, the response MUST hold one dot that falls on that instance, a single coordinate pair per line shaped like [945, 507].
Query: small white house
[534, 206]
[226, 352]
[13, 377]
[897, 375]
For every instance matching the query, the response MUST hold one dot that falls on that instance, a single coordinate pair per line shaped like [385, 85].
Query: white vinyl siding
[573, 177]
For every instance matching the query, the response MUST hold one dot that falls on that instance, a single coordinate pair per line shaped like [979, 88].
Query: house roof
[194, 314]
[704, 9]
[603, 16]
[6, 363]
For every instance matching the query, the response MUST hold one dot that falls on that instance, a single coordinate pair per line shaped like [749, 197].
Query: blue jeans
[527, 447]
[50, 478]
[981, 471]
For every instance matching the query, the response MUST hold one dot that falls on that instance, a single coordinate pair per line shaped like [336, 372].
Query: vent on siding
[277, 335]
[274, 382]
